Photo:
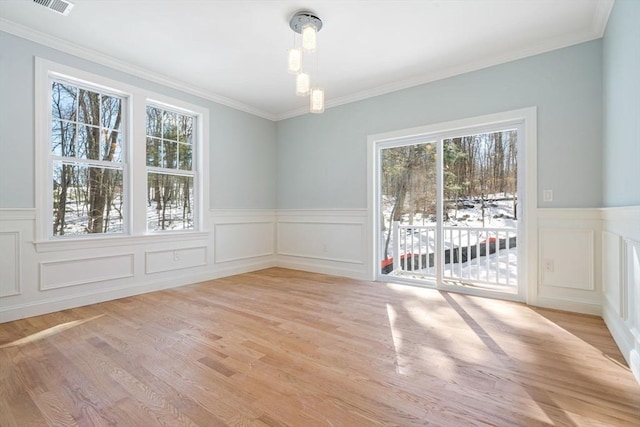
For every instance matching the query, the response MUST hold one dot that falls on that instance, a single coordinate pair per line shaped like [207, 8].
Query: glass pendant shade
[309, 37]
[317, 100]
[307, 24]
[302, 84]
[294, 60]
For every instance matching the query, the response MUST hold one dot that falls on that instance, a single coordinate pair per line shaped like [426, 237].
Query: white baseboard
[634, 363]
[575, 306]
[318, 267]
[72, 277]
[245, 267]
[51, 305]
[333, 242]
[621, 305]
[323, 241]
[624, 339]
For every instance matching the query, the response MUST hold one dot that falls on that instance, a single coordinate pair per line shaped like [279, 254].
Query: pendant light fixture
[307, 25]
[302, 84]
[294, 63]
[309, 37]
[316, 99]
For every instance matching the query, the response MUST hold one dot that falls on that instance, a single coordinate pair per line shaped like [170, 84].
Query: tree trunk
[59, 222]
[401, 193]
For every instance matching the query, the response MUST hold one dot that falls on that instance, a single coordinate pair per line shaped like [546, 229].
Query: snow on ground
[463, 229]
[77, 219]
[500, 269]
[498, 213]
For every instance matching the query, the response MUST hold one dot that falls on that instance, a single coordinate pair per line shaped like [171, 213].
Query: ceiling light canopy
[307, 25]
[302, 18]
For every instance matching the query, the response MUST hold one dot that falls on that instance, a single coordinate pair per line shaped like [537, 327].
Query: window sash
[132, 158]
[180, 217]
[82, 192]
[83, 182]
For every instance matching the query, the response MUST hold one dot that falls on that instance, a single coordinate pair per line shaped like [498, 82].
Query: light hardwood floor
[280, 347]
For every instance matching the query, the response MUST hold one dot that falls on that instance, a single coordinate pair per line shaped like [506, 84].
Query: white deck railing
[471, 254]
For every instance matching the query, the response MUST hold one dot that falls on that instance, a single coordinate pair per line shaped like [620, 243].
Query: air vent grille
[63, 7]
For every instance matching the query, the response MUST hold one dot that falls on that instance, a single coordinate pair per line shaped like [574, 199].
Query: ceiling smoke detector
[62, 7]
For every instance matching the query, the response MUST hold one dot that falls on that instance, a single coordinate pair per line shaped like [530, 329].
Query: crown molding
[106, 60]
[596, 32]
[598, 27]
[601, 17]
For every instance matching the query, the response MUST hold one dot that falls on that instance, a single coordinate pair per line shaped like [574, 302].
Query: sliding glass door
[447, 209]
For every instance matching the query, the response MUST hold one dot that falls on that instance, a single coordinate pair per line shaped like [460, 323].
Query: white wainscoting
[10, 262]
[612, 283]
[568, 258]
[621, 280]
[243, 240]
[595, 256]
[175, 259]
[42, 277]
[82, 271]
[569, 264]
[323, 241]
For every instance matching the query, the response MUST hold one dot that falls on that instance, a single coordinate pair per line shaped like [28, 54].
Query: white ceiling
[234, 51]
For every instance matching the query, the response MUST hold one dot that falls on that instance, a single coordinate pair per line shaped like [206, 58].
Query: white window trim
[135, 157]
[528, 185]
[195, 159]
[124, 165]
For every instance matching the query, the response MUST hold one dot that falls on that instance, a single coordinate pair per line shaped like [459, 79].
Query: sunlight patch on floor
[396, 336]
[48, 332]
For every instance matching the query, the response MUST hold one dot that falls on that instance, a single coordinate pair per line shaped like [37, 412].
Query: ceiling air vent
[63, 7]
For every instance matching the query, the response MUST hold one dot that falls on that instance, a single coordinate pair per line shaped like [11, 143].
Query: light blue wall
[322, 158]
[621, 77]
[319, 161]
[242, 146]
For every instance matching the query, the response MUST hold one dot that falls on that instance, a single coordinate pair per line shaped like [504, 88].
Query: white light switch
[547, 195]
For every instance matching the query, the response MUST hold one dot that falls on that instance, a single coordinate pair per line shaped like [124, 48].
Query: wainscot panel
[82, 271]
[243, 239]
[323, 241]
[569, 260]
[621, 280]
[65, 273]
[612, 283]
[175, 259]
[573, 252]
[10, 263]
[632, 288]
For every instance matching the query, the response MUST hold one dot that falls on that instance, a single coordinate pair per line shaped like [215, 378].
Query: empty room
[319, 213]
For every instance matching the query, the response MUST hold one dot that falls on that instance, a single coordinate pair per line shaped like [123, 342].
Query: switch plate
[547, 195]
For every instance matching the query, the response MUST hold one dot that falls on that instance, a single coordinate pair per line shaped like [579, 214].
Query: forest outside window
[171, 173]
[115, 162]
[87, 152]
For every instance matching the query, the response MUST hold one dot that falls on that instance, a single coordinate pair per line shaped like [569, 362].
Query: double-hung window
[115, 159]
[87, 164]
[170, 169]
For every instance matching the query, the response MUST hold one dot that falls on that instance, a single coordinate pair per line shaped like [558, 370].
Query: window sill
[112, 241]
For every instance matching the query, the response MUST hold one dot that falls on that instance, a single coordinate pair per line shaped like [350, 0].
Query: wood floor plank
[288, 348]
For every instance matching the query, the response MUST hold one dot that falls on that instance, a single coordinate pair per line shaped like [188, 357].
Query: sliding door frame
[526, 122]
